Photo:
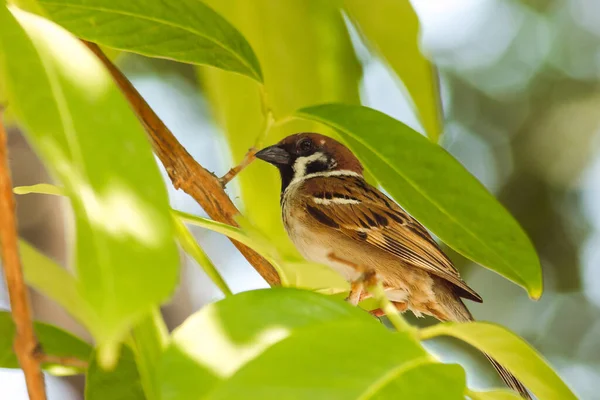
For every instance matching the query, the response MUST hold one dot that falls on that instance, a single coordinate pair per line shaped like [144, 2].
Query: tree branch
[25, 342]
[184, 171]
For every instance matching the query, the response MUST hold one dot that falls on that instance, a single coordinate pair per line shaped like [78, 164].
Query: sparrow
[334, 217]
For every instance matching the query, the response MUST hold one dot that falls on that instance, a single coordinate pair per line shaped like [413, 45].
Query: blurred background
[520, 90]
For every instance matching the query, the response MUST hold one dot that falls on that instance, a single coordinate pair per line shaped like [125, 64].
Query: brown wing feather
[365, 214]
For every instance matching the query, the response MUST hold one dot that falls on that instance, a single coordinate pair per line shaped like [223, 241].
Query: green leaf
[84, 130]
[341, 360]
[54, 341]
[422, 381]
[510, 351]
[219, 339]
[186, 31]
[121, 383]
[56, 283]
[191, 246]
[437, 190]
[307, 58]
[391, 28]
[494, 395]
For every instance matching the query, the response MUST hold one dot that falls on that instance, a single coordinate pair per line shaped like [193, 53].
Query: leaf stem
[267, 111]
[149, 339]
[25, 342]
[191, 246]
[392, 313]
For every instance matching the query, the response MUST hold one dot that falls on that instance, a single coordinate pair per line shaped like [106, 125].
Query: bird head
[303, 154]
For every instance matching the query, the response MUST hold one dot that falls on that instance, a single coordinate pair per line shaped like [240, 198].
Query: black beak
[274, 155]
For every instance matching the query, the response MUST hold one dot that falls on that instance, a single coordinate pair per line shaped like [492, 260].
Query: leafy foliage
[278, 343]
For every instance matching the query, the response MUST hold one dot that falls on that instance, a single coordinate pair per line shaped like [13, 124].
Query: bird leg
[367, 278]
[248, 158]
[356, 291]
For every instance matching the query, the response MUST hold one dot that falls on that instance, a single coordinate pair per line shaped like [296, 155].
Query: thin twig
[63, 361]
[184, 171]
[248, 158]
[25, 341]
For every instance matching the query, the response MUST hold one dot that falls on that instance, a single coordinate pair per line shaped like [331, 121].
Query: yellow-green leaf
[184, 30]
[510, 351]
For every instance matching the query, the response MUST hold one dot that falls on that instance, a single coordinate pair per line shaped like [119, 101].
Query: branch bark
[184, 171]
[25, 342]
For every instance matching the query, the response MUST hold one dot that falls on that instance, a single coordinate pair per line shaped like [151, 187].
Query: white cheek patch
[300, 164]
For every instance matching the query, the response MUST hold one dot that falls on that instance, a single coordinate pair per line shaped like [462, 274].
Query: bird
[335, 217]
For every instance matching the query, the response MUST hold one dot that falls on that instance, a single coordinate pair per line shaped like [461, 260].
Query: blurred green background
[519, 84]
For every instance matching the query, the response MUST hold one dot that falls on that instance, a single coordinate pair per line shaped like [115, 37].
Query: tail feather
[510, 379]
[455, 310]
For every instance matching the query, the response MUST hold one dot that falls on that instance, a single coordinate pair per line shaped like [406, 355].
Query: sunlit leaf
[85, 132]
[185, 30]
[331, 361]
[121, 383]
[494, 395]
[219, 339]
[421, 381]
[54, 341]
[437, 190]
[512, 352]
[391, 28]
[307, 58]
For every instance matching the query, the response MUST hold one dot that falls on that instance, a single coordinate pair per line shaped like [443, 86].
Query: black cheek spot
[362, 235]
[316, 166]
[321, 217]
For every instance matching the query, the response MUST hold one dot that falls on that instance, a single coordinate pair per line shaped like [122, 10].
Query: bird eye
[305, 145]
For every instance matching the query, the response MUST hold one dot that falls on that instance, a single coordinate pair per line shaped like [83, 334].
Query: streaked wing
[363, 213]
